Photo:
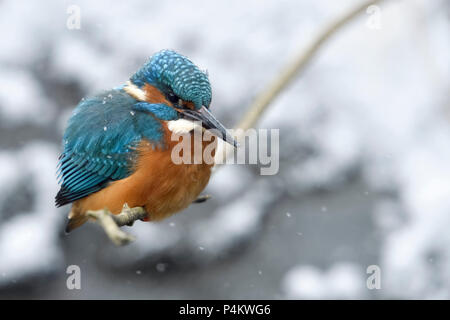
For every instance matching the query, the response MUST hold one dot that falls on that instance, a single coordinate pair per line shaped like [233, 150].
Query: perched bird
[118, 145]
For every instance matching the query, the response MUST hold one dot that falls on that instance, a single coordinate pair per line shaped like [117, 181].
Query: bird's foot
[111, 223]
[129, 215]
[202, 198]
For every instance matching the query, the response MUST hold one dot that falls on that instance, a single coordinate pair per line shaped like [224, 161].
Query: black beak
[209, 122]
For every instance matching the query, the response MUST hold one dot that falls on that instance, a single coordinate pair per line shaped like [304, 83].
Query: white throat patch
[183, 126]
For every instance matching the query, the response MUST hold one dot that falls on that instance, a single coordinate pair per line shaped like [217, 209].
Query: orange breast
[157, 184]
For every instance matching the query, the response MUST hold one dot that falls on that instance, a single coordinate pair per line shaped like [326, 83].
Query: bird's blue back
[100, 139]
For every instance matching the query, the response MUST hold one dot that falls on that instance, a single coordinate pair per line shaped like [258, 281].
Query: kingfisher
[117, 147]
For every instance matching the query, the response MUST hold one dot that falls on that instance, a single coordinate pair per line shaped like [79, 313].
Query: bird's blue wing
[99, 143]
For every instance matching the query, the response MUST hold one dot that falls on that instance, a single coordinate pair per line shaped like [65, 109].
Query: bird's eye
[173, 98]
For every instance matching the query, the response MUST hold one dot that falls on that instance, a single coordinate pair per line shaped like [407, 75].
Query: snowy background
[364, 152]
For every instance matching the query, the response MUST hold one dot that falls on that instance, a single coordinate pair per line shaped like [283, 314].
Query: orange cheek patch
[153, 95]
[190, 105]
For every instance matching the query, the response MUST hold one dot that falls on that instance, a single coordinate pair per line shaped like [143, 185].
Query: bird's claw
[109, 223]
[125, 209]
[121, 238]
[202, 198]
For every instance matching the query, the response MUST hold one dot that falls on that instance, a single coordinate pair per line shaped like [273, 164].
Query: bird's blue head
[182, 86]
[175, 76]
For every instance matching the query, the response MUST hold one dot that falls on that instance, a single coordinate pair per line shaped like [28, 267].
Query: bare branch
[263, 100]
[289, 73]
[111, 223]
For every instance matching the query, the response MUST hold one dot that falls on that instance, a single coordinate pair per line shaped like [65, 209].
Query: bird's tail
[75, 220]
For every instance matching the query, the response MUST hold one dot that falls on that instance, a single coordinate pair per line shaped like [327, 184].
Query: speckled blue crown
[169, 71]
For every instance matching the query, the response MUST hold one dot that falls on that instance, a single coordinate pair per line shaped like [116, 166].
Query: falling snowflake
[161, 267]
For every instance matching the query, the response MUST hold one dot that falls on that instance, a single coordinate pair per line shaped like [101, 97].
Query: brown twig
[292, 70]
[111, 223]
[287, 75]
